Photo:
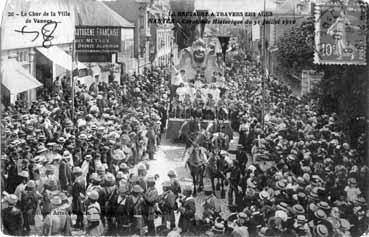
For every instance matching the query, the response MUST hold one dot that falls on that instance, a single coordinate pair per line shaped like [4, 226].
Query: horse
[197, 163]
[217, 168]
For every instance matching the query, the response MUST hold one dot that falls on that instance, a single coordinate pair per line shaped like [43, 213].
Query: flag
[224, 41]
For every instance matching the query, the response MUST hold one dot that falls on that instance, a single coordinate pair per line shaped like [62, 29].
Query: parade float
[200, 72]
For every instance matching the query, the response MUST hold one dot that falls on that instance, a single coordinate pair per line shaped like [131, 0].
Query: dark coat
[28, 206]
[65, 175]
[12, 221]
[151, 197]
[77, 189]
[187, 218]
[123, 210]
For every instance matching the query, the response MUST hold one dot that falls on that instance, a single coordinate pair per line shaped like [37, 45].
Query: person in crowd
[58, 221]
[78, 193]
[12, 217]
[151, 198]
[122, 212]
[187, 211]
[28, 205]
[168, 205]
[93, 213]
[137, 207]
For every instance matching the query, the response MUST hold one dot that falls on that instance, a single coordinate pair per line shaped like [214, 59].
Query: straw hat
[321, 230]
[77, 170]
[137, 189]
[93, 195]
[56, 200]
[12, 199]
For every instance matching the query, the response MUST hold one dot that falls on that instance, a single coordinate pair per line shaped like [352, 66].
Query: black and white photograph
[208, 118]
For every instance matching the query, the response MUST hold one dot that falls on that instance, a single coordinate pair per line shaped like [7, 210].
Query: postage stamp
[340, 34]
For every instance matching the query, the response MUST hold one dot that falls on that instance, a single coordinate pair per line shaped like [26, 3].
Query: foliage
[296, 49]
[343, 90]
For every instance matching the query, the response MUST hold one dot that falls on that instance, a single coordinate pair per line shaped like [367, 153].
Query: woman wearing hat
[12, 218]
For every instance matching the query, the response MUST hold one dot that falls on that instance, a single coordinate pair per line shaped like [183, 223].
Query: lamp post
[263, 71]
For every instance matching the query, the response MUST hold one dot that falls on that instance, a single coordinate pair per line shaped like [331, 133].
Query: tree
[343, 89]
[296, 49]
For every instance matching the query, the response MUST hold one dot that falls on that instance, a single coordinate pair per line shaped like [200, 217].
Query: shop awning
[57, 56]
[17, 79]
[60, 57]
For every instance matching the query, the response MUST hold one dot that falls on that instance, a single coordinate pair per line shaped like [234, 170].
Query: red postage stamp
[340, 34]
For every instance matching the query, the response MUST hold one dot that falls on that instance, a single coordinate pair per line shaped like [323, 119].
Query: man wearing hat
[94, 224]
[121, 203]
[167, 205]
[106, 203]
[78, 191]
[151, 197]
[137, 206]
[28, 204]
[12, 218]
[141, 172]
[58, 221]
[175, 185]
[65, 174]
[187, 210]
[20, 188]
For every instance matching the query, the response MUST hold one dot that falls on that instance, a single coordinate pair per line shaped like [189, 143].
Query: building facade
[136, 11]
[33, 66]
[163, 48]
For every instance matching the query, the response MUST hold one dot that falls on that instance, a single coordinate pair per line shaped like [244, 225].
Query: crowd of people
[305, 178]
[294, 173]
[54, 154]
